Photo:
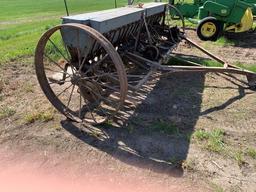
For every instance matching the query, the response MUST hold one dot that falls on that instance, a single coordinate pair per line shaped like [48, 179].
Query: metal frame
[158, 66]
[145, 45]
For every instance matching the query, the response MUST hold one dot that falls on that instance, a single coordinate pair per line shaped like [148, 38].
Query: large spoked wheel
[81, 73]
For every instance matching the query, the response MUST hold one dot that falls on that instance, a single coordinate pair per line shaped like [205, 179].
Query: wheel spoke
[107, 86]
[97, 76]
[85, 55]
[103, 98]
[61, 81]
[110, 87]
[112, 78]
[91, 113]
[70, 97]
[78, 47]
[82, 81]
[66, 49]
[96, 64]
[57, 64]
[64, 90]
[86, 105]
[80, 104]
[68, 75]
[55, 46]
[98, 103]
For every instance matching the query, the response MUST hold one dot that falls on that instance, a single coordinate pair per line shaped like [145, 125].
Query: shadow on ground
[243, 40]
[155, 134]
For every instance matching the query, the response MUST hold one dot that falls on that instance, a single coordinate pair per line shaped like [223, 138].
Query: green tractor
[216, 16]
[253, 5]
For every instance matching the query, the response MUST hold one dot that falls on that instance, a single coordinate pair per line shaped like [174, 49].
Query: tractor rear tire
[209, 29]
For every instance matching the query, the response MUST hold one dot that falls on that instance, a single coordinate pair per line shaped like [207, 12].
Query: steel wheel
[81, 73]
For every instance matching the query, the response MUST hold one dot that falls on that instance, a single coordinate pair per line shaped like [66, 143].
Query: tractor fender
[216, 8]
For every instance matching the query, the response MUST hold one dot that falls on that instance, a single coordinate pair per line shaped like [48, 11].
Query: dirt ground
[139, 154]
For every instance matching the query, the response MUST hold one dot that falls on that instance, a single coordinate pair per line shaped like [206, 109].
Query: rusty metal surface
[77, 76]
[127, 48]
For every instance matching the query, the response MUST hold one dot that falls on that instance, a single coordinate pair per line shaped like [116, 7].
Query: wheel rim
[84, 85]
[208, 29]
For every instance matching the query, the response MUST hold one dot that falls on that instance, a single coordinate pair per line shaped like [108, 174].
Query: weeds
[216, 188]
[180, 60]
[188, 136]
[28, 88]
[224, 42]
[44, 116]
[190, 24]
[250, 67]
[251, 152]
[211, 63]
[1, 85]
[212, 140]
[201, 135]
[189, 165]
[239, 157]
[108, 124]
[6, 112]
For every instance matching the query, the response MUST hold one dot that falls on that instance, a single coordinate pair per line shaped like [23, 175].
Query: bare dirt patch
[233, 49]
[155, 141]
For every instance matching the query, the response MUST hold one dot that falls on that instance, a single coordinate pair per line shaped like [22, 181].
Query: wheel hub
[75, 79]
[208, 29]
[90, 91]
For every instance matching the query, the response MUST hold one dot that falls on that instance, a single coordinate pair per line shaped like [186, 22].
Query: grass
[28, 87]
[165, 128]
[1, 85]
[250, 67]
[201, 135]
[189, 164]
[181, 60]
[216, 188]
[108, 124]
[11, 47]
[23, 21]
[190, 24]
[251, 152]
[17, 9]
[212, 140]
[239, 157]
[222, 41]
[6, 112]
[43, 116]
